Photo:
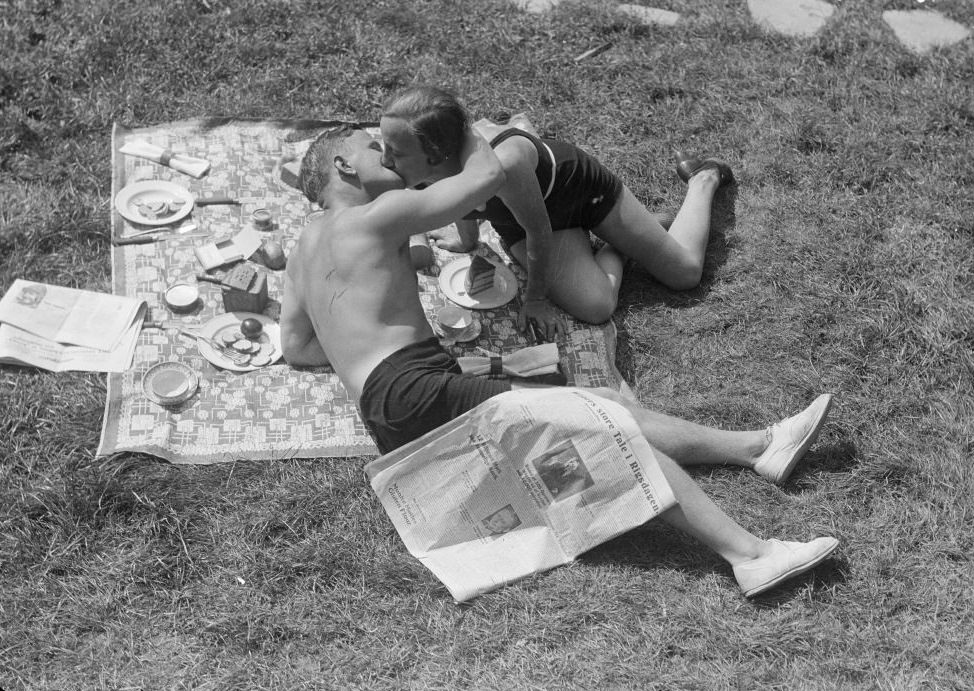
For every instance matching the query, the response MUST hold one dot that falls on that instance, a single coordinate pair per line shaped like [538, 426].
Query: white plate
[215, 328]
[454, 274]
[131, 197]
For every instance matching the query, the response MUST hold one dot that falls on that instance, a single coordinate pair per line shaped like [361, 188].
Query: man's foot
[787, 559]
[791, 438]
[687, 166]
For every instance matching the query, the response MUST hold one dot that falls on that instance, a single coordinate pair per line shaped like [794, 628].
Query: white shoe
[787, 560]
[791, 438]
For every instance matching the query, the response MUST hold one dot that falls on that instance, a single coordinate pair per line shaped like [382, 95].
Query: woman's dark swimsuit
[417, 389]
[579, 192]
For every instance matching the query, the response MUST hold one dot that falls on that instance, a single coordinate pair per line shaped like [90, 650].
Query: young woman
[553, 195]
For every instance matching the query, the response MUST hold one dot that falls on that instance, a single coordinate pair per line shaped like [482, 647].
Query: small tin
[262, 219]
[182, 297]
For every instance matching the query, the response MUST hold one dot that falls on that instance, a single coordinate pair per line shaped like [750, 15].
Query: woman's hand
[462, 237]
[538, 314]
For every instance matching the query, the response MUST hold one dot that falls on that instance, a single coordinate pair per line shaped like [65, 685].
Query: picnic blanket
[277, 411]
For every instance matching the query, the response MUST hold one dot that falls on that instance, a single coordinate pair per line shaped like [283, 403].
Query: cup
[421, 256]
[263, 219]
[453, 320]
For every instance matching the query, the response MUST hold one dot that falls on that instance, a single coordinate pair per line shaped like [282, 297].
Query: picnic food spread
[154, 202]
[241, 339]
[223, 342]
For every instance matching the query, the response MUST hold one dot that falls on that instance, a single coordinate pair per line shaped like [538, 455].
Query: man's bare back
[358, 291]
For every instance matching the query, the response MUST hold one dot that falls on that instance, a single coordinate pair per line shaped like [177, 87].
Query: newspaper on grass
[59, 329]
[524, 482]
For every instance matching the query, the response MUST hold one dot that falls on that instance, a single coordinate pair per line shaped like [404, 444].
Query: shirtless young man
[351, 299]
[554, 194]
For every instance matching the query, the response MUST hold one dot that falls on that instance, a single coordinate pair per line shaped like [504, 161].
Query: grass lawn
[841, 263]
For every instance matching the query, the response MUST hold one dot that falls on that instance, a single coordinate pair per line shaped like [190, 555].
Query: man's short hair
[434, 116]
[316, 166]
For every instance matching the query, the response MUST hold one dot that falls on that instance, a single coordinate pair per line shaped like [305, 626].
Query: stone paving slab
[791, 17]
[923, 30]
[918, 30]
[649, 15]
[536, 6]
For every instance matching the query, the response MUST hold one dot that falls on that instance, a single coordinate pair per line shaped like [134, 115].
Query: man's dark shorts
[417, 389]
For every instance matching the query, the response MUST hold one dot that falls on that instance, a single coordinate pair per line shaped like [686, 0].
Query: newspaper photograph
[524, 482]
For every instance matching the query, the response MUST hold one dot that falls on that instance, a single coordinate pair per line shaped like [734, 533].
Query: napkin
[197, 167]
[532, 361]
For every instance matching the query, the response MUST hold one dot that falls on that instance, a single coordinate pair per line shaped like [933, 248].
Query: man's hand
[537, 313]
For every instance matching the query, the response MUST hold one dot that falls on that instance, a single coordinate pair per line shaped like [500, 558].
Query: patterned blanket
[277, 411]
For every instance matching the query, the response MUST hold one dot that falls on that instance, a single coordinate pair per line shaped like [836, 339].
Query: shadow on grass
[838, 457]
[657, 546]
[832, 572]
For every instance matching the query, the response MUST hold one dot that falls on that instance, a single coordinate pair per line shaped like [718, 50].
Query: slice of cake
[480, 276]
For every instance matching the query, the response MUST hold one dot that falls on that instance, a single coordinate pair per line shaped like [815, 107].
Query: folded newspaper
[59, 329]
[524, 482]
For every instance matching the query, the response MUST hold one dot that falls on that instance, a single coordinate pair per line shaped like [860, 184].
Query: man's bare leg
[759, 565]
[772, 452]
[698, 516]
[674, 258]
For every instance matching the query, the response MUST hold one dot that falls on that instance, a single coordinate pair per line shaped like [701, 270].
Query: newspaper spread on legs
[524, 482]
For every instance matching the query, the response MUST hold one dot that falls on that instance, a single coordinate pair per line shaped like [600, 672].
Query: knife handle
[218, 199]
[137, 240]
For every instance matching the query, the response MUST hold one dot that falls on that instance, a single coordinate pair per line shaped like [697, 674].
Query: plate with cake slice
[478, 283]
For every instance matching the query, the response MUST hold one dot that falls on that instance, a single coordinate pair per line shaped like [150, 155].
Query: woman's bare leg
[584, 285]
[674, 258]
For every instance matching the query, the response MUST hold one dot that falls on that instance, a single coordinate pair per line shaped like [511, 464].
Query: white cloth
[197, 167]
[532, 361]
